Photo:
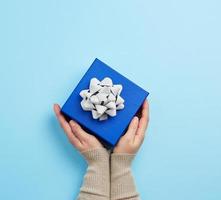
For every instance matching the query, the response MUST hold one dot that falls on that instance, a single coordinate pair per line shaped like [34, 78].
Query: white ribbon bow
[102, 98]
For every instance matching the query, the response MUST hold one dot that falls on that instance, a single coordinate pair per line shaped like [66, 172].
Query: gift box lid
[113, 128]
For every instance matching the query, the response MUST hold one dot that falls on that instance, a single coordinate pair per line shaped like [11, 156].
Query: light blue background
[171, 48]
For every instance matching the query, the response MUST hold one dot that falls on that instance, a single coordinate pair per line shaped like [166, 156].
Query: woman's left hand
[134, 137]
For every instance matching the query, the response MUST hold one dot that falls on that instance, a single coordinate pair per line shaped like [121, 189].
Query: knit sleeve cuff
[96, 155]
[122, 159]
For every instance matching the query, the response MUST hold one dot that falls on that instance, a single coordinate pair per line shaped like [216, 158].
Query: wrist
[122, 159]
[96, 155]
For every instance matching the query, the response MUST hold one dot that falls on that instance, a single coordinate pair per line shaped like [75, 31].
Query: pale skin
[129, 143]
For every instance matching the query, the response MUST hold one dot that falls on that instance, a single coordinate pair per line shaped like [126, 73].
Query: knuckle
[134, 126]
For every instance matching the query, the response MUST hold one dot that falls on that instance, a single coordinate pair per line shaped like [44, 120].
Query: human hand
[131, 141]
[79, 138]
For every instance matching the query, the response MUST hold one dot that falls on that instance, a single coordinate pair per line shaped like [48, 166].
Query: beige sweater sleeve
[122, 182]
[96, 183]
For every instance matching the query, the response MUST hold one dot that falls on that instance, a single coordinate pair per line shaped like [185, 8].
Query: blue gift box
[108, 131]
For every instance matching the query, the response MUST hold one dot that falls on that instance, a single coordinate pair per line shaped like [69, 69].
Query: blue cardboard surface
[113, 128]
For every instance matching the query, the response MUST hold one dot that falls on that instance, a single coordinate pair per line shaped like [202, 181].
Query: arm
[96, 183]
[122, 181]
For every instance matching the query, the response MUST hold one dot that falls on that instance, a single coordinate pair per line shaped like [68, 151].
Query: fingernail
[72, 122]
[135, 119]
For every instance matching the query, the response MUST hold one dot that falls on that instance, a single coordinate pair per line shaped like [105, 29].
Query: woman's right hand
[79, 138]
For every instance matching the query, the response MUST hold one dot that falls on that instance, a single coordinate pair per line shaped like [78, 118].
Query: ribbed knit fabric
[122, 182]
[96, 184]
[108, 178]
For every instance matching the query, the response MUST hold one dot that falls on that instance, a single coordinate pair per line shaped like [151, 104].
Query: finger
[143, 123]
[64, 124]
[131, 131]
[145, 107]
[78, 131]
[144, 115]
[67, 129]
